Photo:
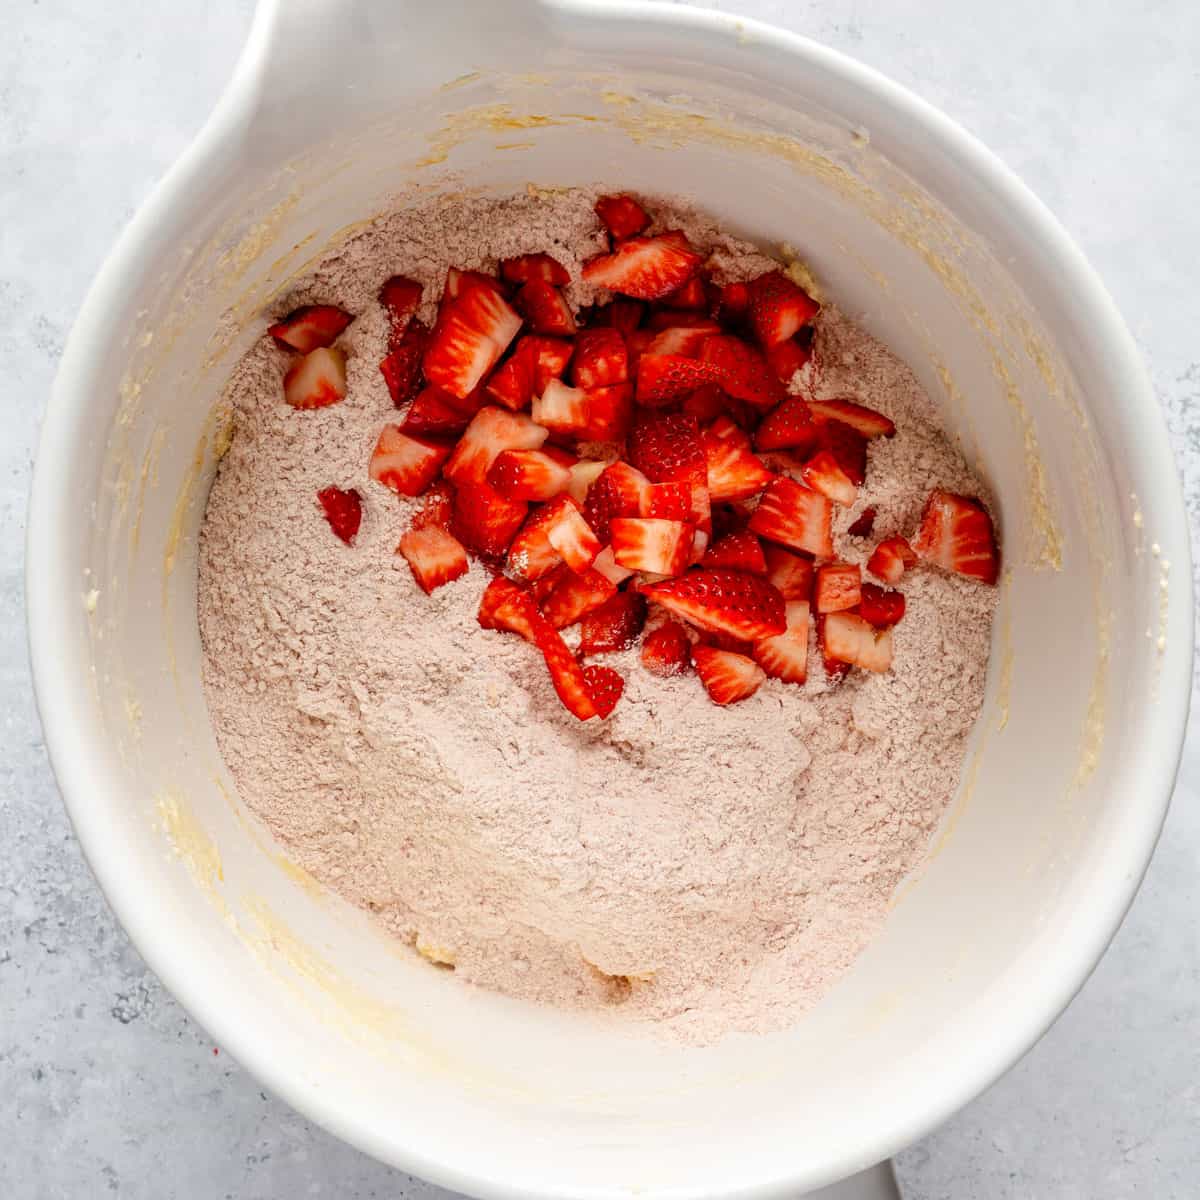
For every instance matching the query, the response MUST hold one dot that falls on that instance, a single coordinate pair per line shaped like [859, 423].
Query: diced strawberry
[569, 534]
[406, 463]
[491, 431]
[789, 425]
[727, 677]
[691, 295]
[576, 595]
[847, 445]
[561, 408]
[891, 558]
[956, 534]
[508, 606]
[600, 360]
[568, 677]
[745, 373]
[546, 309]
[582, 475]
[740, 551]
[778, 308]
[543, 585]
[790, 573]
[484, 520]
[551, 358]
[605, 687]
[434, 556]
[609, 413]
[437, 507]
[696, 325]
[401, 369]
[733, 471]
[531, 474]
[701, 515]
[666, 448]
[667, 650]
[667, 501]
[460, 283]
[622, 216]
[839, 586]
[882, 608]
[646, 268]
[733, 306]
[797, 517]
[684, 340]
[607, 565]
[343, 511]
[823, 474]
[662, 378]
[473, 330]
[785, 656]
[850, 639]
[531, 556]
[867, 421]
[527, 267]
[743, 606]
[620, 491]
[511, 383]
[648, 544]
[400, 297]
[615, 625]
[835, 670]
[316, 380]
[621, 314]
[706, 404]
[787, 358]
[864, 523]
[312, 327]
[435, 412]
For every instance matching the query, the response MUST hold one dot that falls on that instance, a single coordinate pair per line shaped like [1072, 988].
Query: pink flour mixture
[709, 869]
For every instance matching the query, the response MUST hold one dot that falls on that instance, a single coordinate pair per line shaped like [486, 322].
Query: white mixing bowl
[338, 104]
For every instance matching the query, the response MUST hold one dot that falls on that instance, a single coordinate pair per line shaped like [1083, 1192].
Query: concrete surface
[105, 1086]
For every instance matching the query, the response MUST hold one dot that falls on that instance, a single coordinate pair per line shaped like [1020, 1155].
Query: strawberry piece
[891, 558]
[512, 382]
[569, 534]
[667, 650]
[823, 474]
[435, 412]
[582, 475]
[620, 314]
[706, 404]
[666, 448]
[789, 425]
[778, 308]
[576, 595]
[850, 639]
[839, 586]
[551, 358]
[695, 325]
[615, 625]
[785, 656]
[835, 669]
[562, 409]
[343, 511]
[607, 565]
[797, 517]
[545, 308]
[867, 421]
[316, 380]
[667, 501]
[740, 551]
[434, 556]
[882, 608]
[400, 297]
[605, 687]
[864, 523]
[491, 431]
[648, 544]
[733, 305]
[437, 508]
[526, 268]
[530, 555]
[727, 677]
[312, 327]
[746, 375]
[484, 520]
[508, 606]
[601, 359]
[405, 463]
[609, 413]
[460, 283]
[646, 268]
[956, 534]
[721, 601]
[733, 471]
[691, 296]
[787, 358]
[791, 574]
[568, 677]
[401, 369]
[622, 216]
[846, 445]
[620, 491]
[683, 340]
[531, 474]
[662, 378]
[474, 328]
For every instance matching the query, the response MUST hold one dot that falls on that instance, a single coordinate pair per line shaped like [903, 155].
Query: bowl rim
[52, 606]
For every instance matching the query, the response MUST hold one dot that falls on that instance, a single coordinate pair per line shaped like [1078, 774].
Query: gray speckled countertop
[106, 1087]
